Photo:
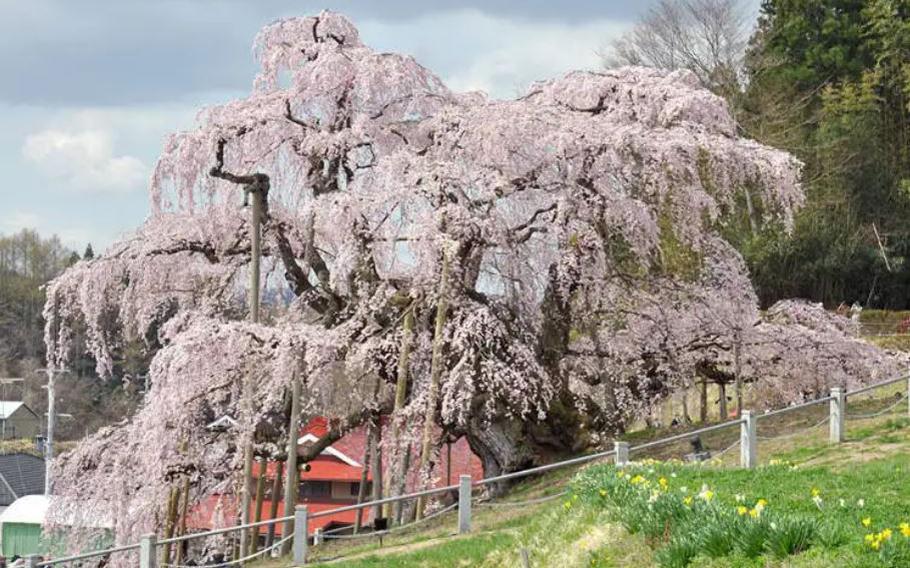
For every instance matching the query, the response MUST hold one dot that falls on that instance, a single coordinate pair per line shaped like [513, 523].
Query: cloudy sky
[92, 86]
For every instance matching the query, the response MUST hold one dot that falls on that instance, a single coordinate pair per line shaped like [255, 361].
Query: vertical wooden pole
[181, 529]
[255, 256]
[170, 524]
[292, 474]
[362, 490]
[442, 307]
[396, 457]
[722, 396]
[273, 503]
[703, 401]
[738, 371]
[257, 512]
[376, 465]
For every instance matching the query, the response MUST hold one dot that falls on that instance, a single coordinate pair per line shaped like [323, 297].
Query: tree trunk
[436, 364]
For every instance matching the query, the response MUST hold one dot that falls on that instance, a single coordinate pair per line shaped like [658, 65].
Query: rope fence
[238, 561]
[882, 412]
[747, 440]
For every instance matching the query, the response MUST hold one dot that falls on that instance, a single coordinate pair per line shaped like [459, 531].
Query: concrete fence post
[318, 537]
[33, 561]
[748, 440]
[147, 548]
[908, 396]
[622, 452]
[301, 535]
[464, 504]
[836, 418]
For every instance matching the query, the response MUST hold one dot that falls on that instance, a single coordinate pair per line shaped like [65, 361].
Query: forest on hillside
[829, 82]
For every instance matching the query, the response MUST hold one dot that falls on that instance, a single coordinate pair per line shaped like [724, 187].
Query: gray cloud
[95, 52]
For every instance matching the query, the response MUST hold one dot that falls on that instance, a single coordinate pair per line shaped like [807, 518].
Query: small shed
[18, 420]
[20, 526]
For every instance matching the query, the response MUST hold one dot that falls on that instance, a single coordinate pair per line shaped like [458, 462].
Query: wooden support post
[748, 440]
[703, 401]
[170, 524]
[292, 474]
[257, 512]
[181, 527]
[836, 421]
[273, 503]
[397, 458]
[464, 504]
[318, 537]
[436, 363]
[248, 387]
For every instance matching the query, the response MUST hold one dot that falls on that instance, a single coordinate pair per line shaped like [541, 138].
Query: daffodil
[687, 500]
[603, 492]
[816, 492]
[905, 529]
[886, 534]
[867, 522]
[755, 513]
[663, 482]
[742, 510]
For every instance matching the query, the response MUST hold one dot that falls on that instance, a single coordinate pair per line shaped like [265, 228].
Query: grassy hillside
[816, 496]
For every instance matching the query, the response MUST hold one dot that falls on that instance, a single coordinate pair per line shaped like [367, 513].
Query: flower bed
[689, 512]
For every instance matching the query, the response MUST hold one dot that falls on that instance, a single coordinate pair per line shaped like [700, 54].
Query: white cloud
[84, 161]
[473, 50]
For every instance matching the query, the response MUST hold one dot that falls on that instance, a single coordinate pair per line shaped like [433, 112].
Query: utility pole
[255, 256]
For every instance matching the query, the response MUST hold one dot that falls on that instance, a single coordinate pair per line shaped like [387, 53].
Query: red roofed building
[333, 480]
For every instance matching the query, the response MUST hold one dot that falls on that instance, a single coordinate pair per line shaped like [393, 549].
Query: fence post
[318, 537]
[836, 418]
[33, 560]
[301, 535]
[622, 452]
[464, 504]
[908, 396]
[748, 441]
[147, 548]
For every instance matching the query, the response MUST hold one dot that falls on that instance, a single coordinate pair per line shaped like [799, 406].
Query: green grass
[875, 490]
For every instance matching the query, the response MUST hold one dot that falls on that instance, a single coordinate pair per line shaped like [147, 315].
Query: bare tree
[707, 37]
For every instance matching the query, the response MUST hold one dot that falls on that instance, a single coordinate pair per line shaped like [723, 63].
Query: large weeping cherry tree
[543, 270]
